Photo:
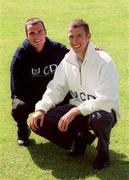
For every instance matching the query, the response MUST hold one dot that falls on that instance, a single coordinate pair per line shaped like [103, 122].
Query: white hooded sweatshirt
[93, 84]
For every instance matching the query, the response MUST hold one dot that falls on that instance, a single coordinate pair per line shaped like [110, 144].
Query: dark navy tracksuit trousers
[100, 122]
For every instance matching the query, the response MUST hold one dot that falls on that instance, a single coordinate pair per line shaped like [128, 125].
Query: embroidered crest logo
[35, 72]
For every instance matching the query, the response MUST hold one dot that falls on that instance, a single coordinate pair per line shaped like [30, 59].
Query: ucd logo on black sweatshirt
[46, 71]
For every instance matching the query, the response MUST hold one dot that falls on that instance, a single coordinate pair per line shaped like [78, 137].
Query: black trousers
[21, 110]
[100, 122]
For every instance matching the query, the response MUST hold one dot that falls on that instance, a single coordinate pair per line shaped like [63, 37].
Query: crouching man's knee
[101, 120]
[19, 109]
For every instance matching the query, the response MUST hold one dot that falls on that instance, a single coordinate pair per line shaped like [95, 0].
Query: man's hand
[67, 118]
[37, 119]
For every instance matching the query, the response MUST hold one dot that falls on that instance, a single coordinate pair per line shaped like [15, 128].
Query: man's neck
[81, 56]
[38, 50]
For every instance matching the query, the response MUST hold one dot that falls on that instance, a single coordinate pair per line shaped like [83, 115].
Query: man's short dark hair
[80, 23]
[33, 21]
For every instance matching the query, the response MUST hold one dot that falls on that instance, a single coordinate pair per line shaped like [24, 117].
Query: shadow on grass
[48, 156]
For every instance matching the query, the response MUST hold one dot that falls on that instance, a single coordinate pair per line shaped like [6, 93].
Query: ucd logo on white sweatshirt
[81, 95]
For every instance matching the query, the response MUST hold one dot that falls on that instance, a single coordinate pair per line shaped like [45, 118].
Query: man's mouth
[77, 46]
[37, 41]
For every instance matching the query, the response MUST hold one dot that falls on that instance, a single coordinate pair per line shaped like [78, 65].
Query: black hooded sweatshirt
[31, 71]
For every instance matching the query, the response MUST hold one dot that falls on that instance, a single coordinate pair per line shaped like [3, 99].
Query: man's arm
[20, 82]
[56, 90]
[107, 93]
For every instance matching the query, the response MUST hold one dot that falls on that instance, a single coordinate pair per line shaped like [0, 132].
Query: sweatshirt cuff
[42, 106]
[83, 110]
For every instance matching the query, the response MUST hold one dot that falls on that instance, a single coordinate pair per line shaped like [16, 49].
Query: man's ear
[89, 36]
[26, 35]
[45, 32]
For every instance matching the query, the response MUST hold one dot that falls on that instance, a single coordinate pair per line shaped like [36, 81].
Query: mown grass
[43, 160]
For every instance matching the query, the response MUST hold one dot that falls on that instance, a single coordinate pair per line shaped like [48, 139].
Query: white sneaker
[22, 142]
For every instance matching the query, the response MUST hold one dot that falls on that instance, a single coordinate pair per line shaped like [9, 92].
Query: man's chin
[76, 50]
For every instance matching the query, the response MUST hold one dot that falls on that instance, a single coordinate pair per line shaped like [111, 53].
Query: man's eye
[31, 33]
[79, 35]
[41, 32]
[70, 37]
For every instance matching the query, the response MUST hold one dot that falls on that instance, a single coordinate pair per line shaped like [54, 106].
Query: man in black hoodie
[32, 67]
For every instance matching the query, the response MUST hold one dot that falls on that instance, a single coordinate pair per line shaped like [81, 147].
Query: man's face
[78, 40]
[36, 35]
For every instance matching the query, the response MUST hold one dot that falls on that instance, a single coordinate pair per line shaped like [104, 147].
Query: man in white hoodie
[91, 77]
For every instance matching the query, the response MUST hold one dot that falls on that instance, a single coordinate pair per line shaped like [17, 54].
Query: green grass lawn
[43, 160]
